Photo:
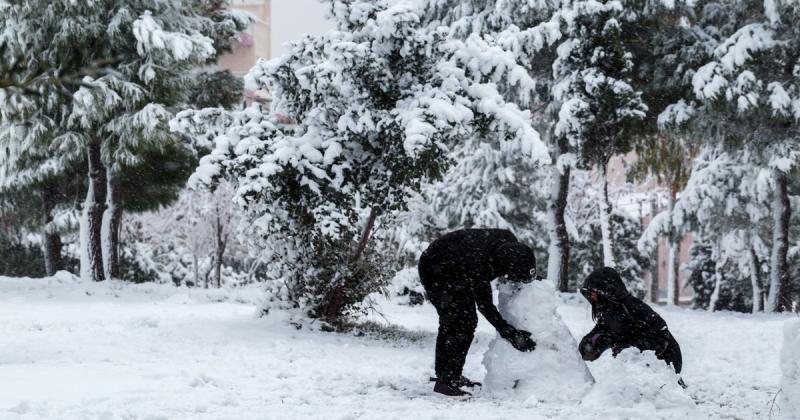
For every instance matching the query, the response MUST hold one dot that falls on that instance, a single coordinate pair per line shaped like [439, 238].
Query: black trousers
[455, 304]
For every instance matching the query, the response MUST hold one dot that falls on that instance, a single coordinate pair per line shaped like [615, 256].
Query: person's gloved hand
[519, 339]
[593, 345]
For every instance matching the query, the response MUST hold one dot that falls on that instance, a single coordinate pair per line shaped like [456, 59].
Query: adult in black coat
[456, 271]
[624, 321]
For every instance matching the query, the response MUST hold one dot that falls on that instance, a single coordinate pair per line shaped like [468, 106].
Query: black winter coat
[461, 264]
[624, 321]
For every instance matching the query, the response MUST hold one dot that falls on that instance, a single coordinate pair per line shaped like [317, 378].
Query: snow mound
[554, 371]
[638, 380]
[790, 368]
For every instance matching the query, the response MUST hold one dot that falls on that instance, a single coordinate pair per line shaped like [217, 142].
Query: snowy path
[78, 351]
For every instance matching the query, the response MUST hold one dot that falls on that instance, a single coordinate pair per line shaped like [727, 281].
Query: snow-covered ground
[73, 350]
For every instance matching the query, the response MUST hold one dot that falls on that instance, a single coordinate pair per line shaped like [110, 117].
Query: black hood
[516, 260]
[607, 282]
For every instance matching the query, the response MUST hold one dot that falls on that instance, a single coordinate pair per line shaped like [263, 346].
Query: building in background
[638, 203]
[253, 44]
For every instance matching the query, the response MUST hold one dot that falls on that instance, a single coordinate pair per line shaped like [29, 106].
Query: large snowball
[637, 380]
[790, 369]
[555, 370]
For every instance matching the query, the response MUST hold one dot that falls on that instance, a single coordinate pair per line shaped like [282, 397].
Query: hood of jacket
[607, 282]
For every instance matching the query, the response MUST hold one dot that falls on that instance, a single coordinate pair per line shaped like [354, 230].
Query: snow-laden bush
[790, 368]
[406, 287]
[193, 242]
[735, 289]
[20, 258]
[638, 380]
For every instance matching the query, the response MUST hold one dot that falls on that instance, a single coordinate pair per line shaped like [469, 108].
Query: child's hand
[593, 345]
[521, 340]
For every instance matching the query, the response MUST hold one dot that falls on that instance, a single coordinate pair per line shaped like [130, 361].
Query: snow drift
[555, 370]
[790, 368]
[637, 380]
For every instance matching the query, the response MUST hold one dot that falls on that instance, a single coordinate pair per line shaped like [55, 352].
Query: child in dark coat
[624, 321]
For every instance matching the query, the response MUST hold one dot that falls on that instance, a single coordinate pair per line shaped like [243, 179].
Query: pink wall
[255, 43]
[617, 176]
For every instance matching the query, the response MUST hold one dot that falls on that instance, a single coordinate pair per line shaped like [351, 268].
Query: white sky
[293, 18]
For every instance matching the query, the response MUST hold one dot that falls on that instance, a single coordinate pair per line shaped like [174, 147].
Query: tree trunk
[95, 206]
[605, 222]
[362, 243]
[220, 251]
[210, 268]
[51, 240]
[196, 262]
[112, 224]
[654, 278]
[714, 298]
[673, 291]
[336, 300]
[558, 253]
[778, 299]
[756, 282]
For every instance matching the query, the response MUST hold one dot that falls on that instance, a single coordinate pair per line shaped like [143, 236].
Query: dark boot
[461, 382]
[451, 390]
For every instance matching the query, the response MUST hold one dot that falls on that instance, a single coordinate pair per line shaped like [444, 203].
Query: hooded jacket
[624, 321]
[460, 265]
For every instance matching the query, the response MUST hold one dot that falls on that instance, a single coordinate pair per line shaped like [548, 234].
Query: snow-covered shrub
[193, 242]
[406, 286]
[734, 288]
[789, 405]
[20, 258]
[378, 103]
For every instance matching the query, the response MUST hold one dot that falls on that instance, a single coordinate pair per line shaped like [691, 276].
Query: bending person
[456, 271]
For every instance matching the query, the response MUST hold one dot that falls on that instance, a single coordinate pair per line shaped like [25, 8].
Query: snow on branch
[658, 228]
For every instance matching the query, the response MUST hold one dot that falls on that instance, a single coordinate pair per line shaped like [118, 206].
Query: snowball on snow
[552, 372]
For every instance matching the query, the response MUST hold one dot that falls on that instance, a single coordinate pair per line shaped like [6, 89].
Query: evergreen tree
[725, 204]
[600, 107]
[749, 94]
[148, 49]
[528, 31]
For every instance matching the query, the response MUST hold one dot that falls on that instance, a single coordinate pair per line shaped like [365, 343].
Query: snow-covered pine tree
[147, 50]
[585, 234]
[600, 107]
[379, 101]
[38, 190]
[725, 204]
[750, 91]
[529, 31]
[490, 187]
